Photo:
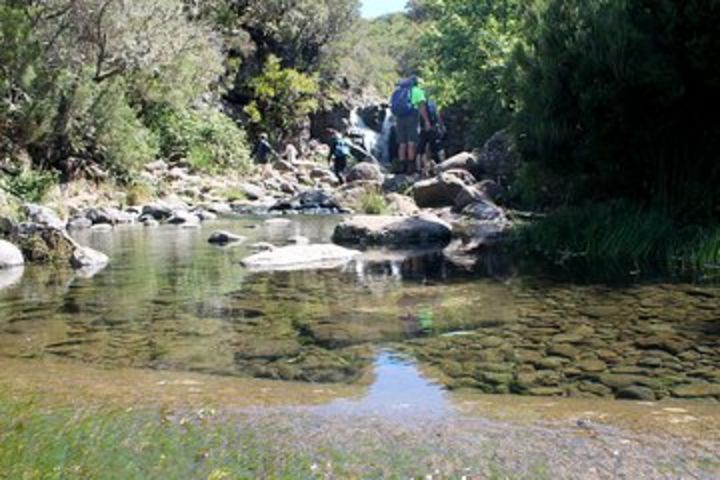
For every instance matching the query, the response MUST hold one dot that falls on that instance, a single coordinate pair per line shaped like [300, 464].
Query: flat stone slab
[393, 231]
[300, 257]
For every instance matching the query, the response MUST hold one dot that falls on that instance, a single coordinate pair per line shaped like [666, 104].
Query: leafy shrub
[121, 138]
[282, 99]
[208, 139]
[31, 185]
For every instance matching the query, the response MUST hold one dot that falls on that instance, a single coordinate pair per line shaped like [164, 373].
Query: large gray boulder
[466, 161]
[109, 215]
[183, 217]
[301, 257]
[252, 192]
[498, 158]
[365, 171]
[437, 192]
[467, 196]
[484, 210]
[43, 216]
[158, 210]
[393, 231]
[10, 255]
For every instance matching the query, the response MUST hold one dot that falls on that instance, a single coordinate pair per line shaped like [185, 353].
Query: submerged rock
[393, 231]
[222, 238]
[10, 255]
[86, 257]
[301, 257]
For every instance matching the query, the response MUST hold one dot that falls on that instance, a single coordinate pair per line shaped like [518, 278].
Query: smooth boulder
[365, 171]
[300, 257]
[10, 255]
[437, 192]
[393, 231]
[86, 257]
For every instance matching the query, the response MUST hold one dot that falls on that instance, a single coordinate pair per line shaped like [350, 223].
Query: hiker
[262, 150]
[408, 105]
[339, 153]
[430, 148]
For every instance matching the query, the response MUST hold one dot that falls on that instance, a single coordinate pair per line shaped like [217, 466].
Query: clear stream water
[170, 301]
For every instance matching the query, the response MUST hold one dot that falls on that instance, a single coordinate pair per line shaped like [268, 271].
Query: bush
[208, 139]
[121, 138]
[282, 99]
[30, 186]
[624, 95]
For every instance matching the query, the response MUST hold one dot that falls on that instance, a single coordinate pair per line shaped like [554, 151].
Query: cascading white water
[376, 143]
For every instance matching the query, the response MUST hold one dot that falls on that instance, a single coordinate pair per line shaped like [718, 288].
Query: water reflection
[169, 300]
[398, 390]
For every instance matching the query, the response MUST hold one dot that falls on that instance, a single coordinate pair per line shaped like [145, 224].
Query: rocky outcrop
[109, 215]
[10, 255]
[392, 231]
[43, 216]
[310, 201]
[300, 257]
[42, 243]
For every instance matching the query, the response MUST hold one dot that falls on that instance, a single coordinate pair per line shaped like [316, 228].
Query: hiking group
[419, 127]
[419, 132]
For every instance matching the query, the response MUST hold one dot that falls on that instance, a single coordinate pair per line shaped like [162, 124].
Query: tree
[283, 99]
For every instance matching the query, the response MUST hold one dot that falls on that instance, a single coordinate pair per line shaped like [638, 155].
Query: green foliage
[624, 95]
[207, 138]
[373, 54]
[621, 233]
[468, 50]
[76, 76]
[122, 139]
[30, 186]
[373, 202]
[282, 99]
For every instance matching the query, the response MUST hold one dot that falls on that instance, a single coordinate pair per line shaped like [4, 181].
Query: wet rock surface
[393, 231]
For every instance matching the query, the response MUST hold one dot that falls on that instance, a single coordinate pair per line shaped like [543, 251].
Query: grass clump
[373, 202]
[620, 233]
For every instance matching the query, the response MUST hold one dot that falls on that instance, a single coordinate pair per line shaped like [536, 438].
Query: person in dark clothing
[430, 144]
[339, 154]
[263, 150]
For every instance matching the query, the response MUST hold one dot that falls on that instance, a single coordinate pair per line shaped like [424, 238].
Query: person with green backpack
[339, 154]
[409, 105]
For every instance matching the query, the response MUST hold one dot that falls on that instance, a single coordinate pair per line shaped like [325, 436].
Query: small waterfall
[377, 143]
